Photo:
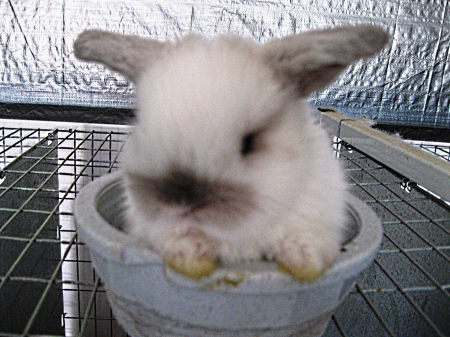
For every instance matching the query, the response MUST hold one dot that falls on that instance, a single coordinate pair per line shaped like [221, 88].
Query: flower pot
[248, 300]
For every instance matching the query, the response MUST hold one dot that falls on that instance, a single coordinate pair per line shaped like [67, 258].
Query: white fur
[197, 99]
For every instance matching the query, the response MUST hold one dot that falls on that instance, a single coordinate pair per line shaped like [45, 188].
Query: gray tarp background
[409, 83]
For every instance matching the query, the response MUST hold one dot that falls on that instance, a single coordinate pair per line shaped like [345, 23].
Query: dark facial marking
[248, 144]
[200, 196]
[183, 188]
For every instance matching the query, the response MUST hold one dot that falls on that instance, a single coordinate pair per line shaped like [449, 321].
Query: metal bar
[21, 188]
[374, 310]
[21, 335]
[77, 251]
[89, 308]
[114, 161]
[47, 289]
[423, 168]
[406, 289]
[338, 326]
[35, 211]
[14, 238]
[45, 280]
[415, 250]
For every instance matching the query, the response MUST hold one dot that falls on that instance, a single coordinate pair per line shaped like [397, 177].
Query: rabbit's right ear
[310, 61]
[127, 54]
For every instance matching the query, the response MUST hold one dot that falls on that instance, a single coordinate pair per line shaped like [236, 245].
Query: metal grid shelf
[48, 288]
[441, 150]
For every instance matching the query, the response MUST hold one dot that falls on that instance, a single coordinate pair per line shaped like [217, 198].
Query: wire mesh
[440, 149]
[48, 287]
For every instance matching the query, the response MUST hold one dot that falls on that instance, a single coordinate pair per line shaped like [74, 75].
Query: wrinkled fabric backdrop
[409, 83]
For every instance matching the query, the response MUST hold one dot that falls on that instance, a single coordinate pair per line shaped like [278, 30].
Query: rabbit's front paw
[305, 258]
[191, 255]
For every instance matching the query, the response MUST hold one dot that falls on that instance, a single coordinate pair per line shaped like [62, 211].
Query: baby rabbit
[226, 163]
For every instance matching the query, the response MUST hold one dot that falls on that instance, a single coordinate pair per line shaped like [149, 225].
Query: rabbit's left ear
[311, 61]
[127, 54]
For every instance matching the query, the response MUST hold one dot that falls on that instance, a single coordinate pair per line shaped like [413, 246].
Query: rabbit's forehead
[211, 86]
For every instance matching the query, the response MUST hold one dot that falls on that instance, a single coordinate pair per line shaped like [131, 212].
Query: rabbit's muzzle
[201, 196]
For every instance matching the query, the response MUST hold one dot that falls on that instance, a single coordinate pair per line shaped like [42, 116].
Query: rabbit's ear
[127, 54]
[312, 60]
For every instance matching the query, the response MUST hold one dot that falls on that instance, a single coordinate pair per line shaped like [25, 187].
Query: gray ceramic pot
[254, 299]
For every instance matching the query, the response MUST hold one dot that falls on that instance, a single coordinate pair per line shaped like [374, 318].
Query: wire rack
[48, 287]
[441, 150]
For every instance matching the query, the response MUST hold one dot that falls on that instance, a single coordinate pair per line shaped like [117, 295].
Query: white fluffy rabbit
[226, 163]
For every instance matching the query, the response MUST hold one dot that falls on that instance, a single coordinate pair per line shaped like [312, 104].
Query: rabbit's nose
[184, 188]
[202, 197]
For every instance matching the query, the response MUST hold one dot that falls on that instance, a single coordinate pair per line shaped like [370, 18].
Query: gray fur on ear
[127, 54]
[312, 60]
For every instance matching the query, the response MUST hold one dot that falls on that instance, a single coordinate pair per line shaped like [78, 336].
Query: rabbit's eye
[248, 144]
